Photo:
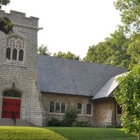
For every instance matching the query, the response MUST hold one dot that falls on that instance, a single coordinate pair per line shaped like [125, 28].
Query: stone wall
[22, 74]
[70, 101]
[102, 109]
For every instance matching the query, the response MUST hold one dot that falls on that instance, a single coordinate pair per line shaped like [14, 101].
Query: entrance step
[10, 122]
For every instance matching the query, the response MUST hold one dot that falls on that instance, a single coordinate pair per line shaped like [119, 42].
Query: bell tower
[18, 68]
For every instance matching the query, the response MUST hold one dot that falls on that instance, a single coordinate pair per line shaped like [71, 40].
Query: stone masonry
[22, 75]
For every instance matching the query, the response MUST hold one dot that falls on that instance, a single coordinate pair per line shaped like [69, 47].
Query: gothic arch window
[15, 49]
[52, 106]
[21, 54]
[79, 108]
[88, 110]
[8, 53]
[57, 107]
[14, 54]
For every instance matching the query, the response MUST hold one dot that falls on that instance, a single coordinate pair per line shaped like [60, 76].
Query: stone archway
[11, 104]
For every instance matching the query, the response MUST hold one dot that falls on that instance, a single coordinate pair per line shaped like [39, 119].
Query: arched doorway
[11, 104]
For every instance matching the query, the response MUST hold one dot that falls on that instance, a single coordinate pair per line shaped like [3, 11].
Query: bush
[70, 116]
[81, 123]
[54, 122]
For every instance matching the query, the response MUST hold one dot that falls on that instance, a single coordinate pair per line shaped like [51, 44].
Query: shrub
[54, 122]
[70, 116]
[81, 123]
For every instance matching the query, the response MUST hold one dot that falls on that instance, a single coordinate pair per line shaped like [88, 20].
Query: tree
[130, 14]
[134, 50]
[128, 97]
[43, 50]
[112, 51]
[6, 25]
[67, 55]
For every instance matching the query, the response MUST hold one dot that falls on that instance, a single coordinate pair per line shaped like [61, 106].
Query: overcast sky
[70, 25]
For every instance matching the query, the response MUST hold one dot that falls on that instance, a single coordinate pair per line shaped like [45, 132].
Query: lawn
[90, 133]
[62, 133]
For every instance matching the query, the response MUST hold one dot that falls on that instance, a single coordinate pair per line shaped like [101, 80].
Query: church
[36, 88]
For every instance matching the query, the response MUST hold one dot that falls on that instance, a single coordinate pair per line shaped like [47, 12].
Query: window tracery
[15, 49]
[57, 107]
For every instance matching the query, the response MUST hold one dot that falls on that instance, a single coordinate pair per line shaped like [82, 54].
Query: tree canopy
[128, 97]
[113, 51]
[128, 94]
[43, 50]
[6, 25]
[67, 55]
[130, 14]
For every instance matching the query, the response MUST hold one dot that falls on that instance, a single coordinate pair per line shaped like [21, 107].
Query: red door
[9, 106]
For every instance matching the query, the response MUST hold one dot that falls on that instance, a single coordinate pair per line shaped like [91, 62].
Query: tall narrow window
[52, 106]
[119, 109]
[88, 109]
[14, 54]
[79, 107]
[21, 53]
[63, 107]
[15, 49]
[8, 53]
[57, 107]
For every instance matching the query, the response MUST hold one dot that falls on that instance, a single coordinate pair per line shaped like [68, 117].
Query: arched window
[79, 108]
[11, 93]
[88, 111]
[63, 107]
[52, 106]
[21, 53]
[15, 49]
[8, 53]
[14, 54]
[57, 107]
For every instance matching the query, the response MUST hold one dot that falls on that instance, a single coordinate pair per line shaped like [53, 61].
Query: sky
[70, 25]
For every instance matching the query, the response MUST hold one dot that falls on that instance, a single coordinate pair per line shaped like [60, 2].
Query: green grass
[89, 133]
[62, 133]
[28, 133]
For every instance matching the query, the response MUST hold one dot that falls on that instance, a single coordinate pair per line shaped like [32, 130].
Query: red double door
[11, 106]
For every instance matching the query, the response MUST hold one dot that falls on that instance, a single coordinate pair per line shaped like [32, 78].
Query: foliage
[6, 25]
[55, 122]
[113, 51]
[67, 55]
[130, 14]
[28, 133]
[43, 50]
[90, 133]
[70, 116]
[128, 97]
[4, 2]
[134, 50]
[81, 123]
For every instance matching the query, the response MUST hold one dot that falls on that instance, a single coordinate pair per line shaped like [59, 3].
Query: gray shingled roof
[65, 76]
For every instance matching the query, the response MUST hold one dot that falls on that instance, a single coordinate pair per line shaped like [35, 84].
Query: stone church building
[36, 88]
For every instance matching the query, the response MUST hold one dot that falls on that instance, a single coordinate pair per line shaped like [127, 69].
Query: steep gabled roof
[65, 76]
[109, 87]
